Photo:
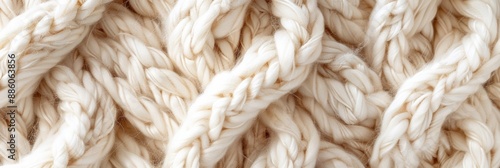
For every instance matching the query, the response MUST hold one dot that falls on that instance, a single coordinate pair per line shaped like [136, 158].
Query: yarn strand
[249, 83]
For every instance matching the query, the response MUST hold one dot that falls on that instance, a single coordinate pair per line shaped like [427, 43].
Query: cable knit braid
[294, 139]
[259, 23]
[233, 100]
[127, 151]
[197, 43]
[399, 34]
[422, 110]
[29, 36]
[347, 20]
[41, 36]
[493, 85]
[148, 124]
[127, 47]
[101, 139]
[249, 83]
[79, 113]
[348, 112]
[471, 132]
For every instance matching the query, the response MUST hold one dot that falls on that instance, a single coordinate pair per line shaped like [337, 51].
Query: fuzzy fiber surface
[249, 83]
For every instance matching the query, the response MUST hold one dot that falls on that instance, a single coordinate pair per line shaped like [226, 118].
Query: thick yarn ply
[250, 83]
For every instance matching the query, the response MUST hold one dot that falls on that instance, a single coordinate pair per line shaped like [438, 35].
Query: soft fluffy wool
[252, 83]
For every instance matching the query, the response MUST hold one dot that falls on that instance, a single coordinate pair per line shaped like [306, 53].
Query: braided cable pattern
[233, 99]
[249, 83]
[422, 110]
[398, 38]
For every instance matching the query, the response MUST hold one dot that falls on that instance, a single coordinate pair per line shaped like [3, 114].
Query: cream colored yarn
[252, 83]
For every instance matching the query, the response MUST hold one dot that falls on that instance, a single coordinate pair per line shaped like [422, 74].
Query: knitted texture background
[250, 83]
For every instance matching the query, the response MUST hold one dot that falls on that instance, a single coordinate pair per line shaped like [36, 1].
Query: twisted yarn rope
[251, 83]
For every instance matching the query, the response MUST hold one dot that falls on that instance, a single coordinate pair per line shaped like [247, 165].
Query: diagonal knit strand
[29, 37]
[196, 43]
[294, 139]
[200, 124]
[82, 95]
[31, 41]
[347, 21]
[398, 41]
[249, 83]
[447, 89]
[355, 103]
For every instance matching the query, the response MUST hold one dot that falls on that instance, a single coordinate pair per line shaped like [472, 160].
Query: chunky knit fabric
[250, 83]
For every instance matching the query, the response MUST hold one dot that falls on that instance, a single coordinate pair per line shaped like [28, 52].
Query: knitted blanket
[249, 83]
